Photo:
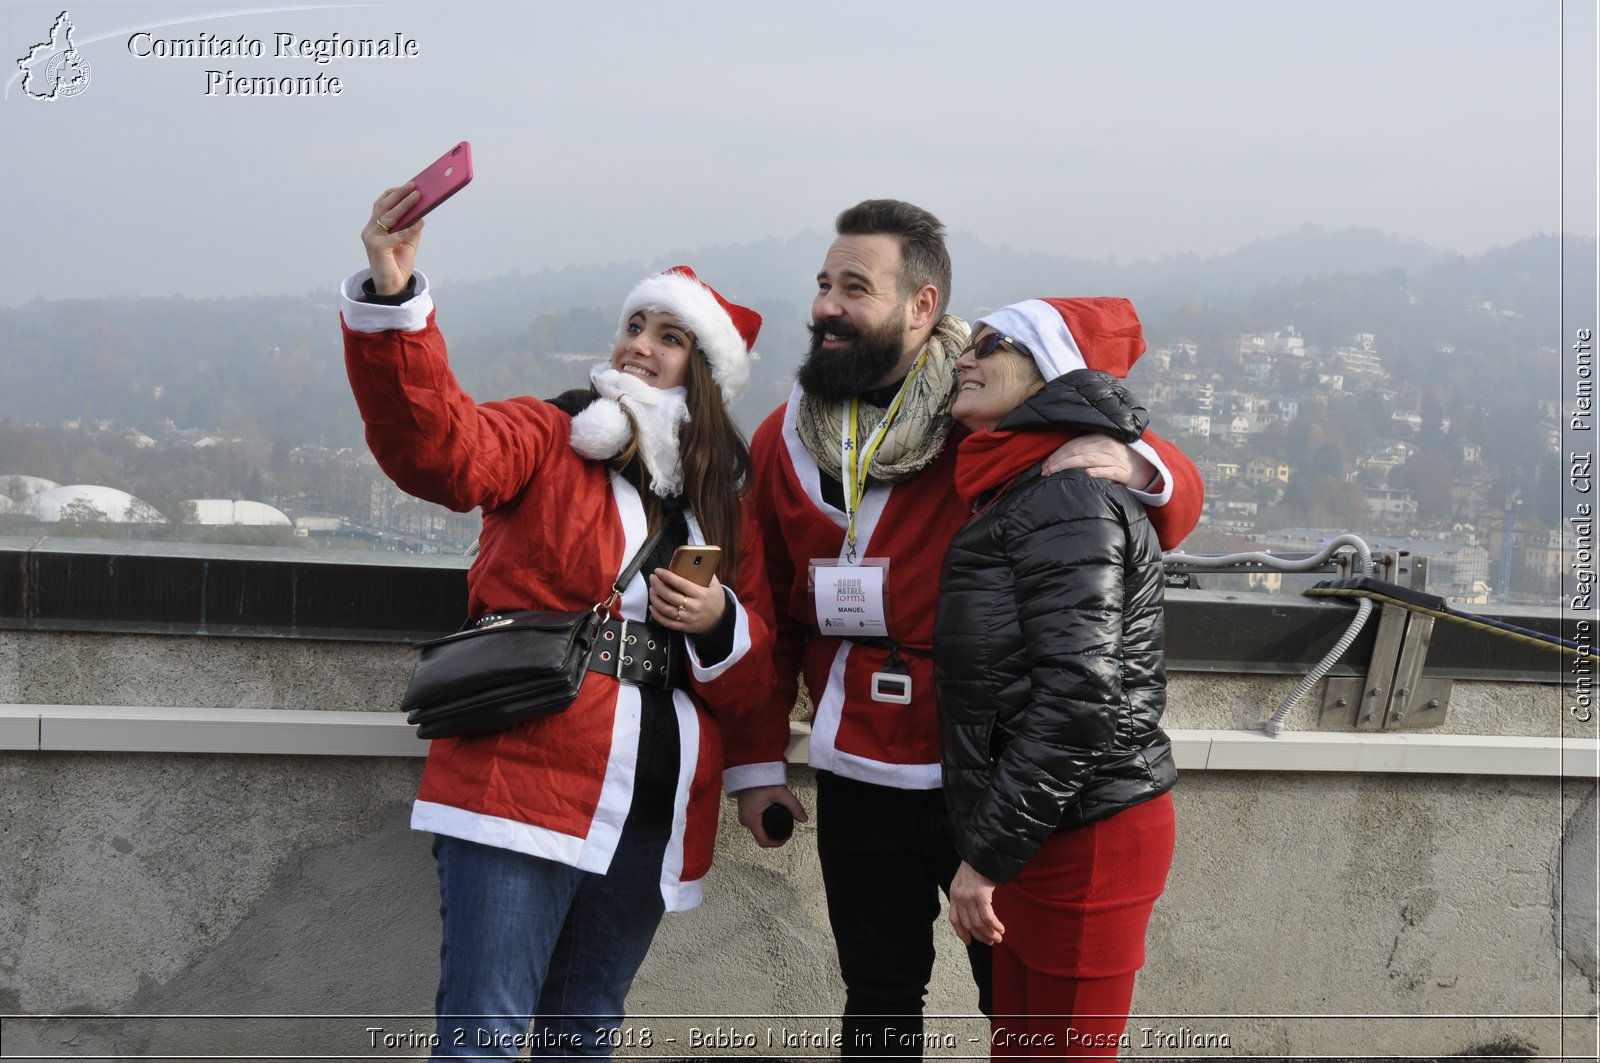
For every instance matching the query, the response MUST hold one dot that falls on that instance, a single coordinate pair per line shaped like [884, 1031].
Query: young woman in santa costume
[562, 841]
[1048, 659]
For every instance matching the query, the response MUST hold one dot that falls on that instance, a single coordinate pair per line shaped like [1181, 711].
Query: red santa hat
[1098, 332]
[725, 331]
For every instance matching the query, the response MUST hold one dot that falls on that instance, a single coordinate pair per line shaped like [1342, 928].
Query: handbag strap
[625, 577]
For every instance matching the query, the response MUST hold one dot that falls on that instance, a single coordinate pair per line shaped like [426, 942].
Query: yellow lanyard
[854, 463]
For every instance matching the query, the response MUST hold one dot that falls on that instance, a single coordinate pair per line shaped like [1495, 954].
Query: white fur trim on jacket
[741, 644]
[826, 755]
[409, 316]
[701, 314]
[744, 776]
[1153, 498]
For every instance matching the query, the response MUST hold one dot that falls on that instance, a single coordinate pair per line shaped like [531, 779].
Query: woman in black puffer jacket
[1048, 658]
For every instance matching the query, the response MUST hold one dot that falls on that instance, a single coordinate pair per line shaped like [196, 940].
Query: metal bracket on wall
[1395, 695]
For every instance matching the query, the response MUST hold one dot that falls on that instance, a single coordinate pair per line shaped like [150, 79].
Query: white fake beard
[602, 432]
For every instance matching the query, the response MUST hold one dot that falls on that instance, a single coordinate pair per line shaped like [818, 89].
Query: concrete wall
[1308, 913]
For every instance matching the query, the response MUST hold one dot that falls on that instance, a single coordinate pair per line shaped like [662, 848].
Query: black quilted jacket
[1048, 647]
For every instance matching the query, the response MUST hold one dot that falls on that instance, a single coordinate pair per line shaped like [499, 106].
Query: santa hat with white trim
[724, 331]
[1099, 332]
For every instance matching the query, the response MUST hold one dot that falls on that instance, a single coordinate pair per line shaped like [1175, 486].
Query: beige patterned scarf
[919, 429]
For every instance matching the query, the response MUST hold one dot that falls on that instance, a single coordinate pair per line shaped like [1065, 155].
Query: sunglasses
[990, 343]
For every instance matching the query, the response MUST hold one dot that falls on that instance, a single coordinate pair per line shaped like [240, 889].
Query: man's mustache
[841, 328]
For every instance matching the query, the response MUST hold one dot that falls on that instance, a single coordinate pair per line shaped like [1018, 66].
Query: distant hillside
[271, 368]
[988, 277]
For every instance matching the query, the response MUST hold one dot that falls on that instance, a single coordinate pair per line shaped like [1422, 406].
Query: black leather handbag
[507, 667]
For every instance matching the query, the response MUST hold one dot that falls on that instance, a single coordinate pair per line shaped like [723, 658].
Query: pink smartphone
[447, 176]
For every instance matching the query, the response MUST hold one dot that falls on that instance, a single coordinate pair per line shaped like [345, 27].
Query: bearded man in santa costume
[855, 493]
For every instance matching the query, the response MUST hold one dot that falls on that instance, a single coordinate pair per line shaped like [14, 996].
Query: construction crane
[1508, 531]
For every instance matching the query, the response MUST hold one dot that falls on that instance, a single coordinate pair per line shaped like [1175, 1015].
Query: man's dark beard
[835, 376]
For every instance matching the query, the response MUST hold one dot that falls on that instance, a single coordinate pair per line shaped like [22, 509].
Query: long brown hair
[716, 467]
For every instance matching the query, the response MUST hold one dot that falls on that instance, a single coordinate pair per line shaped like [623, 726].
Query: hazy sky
[612, 130]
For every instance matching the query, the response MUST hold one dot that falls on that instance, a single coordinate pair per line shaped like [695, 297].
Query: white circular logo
[67, 73]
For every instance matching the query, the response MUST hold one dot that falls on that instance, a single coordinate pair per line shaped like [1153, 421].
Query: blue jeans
[526, 937]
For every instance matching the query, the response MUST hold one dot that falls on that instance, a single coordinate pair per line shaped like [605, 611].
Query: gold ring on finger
[380, 224]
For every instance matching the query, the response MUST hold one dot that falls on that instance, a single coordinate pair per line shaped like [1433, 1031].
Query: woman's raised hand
[392, 254]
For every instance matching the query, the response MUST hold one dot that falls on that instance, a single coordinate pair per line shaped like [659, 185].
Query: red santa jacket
[557, 529]
[911, 523]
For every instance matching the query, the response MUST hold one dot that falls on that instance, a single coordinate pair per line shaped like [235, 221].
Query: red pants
[1075, 922]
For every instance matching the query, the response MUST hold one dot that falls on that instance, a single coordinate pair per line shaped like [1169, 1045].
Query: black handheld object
[777, 821]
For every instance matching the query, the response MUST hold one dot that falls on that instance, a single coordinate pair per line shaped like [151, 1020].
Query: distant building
[1411, 419]
[1383, 462]
[310, 523]
[1249, 343]
[1455, 570]
[1257, 366]
[1262, 471]
[1542, 552]
[1239, 428]
[1352, 361]
[1386, 505]
[1201, 393]
[1288, 343]
[1195, 424]
[94, 502]
[224, 512]
[1232, 514]
[1158, 392]
[22, 488]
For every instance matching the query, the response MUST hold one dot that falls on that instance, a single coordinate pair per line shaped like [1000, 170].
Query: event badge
[850, 599]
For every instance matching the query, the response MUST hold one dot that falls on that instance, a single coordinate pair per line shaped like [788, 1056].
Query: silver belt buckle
[622, 648]
[891, 687]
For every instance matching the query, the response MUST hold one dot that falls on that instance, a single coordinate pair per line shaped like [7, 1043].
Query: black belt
[635, 651]
[894, 648]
